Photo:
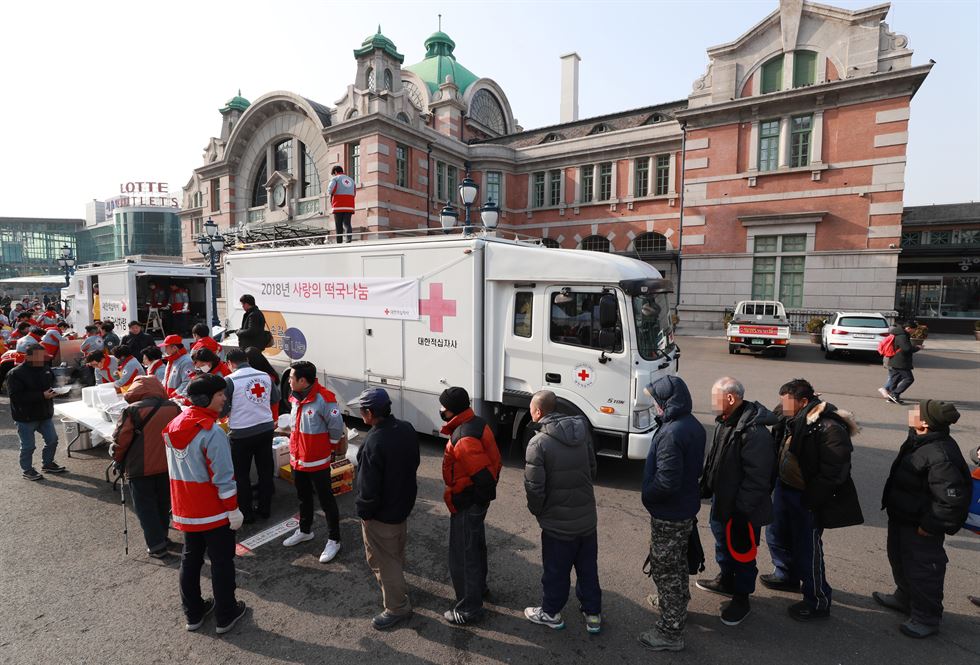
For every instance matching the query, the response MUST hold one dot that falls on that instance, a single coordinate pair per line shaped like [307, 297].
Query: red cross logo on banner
[436, 307]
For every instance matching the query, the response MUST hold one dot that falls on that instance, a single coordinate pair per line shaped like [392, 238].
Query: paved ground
[70, 596]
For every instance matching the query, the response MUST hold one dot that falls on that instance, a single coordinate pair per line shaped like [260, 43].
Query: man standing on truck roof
[341, 191]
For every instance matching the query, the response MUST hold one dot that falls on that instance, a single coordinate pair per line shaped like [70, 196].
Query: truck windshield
[654, 332]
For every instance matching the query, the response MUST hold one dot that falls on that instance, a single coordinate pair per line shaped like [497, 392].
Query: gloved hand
[740, 538]
[112, 450]
[235, 519]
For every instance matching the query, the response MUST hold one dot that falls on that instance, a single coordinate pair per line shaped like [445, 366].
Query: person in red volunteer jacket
[129, 368]
[470, 468]
[204, 500]
[207, 361]
[53, 337]
[317, 432]
[203, 340]
[105, 366]
[180, 367]
[342, 191]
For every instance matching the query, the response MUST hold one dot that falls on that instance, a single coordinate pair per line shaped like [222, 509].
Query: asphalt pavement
[70, 595]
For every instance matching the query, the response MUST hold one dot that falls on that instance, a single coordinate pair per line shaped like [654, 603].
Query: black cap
[372, 398]
[938, 415]
[207, 385]
[455, 399]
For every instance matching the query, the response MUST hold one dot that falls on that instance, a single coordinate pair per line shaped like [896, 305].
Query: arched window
[601, 128]
[389, 80]
[259, 194]
[550, 242]
[414, 94]
[402, 117]
[804, 68]
[596, 244]
[649, 243]
[486, 110]
[655, 119]
[371, 80]
[311, 179]
[552, 137]
[283, 156]
[353, 114]
[772, 75]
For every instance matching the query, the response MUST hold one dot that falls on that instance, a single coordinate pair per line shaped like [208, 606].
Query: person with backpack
[898, 360]
[139, 452]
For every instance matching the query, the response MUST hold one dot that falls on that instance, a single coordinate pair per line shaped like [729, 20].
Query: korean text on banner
[371, 297]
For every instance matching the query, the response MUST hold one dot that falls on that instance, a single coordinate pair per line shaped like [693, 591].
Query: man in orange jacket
[470, 469]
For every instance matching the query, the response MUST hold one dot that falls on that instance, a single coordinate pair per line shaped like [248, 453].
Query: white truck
[501, 318]
[759, 326]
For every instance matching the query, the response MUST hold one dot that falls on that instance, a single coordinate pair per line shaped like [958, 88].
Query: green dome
[236, 103]
[440, 62]
[379, 41]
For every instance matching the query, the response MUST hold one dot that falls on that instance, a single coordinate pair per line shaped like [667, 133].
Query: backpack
[886, 347]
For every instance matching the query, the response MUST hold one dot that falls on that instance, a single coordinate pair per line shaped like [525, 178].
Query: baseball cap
[175, 340]
[372, 398]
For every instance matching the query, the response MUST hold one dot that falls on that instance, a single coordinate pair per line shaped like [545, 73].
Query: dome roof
[379, 41]
[236, 103]
[440, 62]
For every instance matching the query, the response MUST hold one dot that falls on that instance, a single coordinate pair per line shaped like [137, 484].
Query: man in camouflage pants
[671, 496]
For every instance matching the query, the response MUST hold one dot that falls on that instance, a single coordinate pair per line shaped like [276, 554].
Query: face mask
[203, 369]
[446, 416]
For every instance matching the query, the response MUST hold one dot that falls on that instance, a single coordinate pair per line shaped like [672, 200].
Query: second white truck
[759, 326]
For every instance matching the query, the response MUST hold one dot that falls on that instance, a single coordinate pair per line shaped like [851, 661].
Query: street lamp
[467, 194]
[490, 215]
[67, 263]
[211, 244]
[448, 217]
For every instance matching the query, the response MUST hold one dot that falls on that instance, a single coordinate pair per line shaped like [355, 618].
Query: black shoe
[891, 601]
[32, 474]
[721, 585]
[779, 583]
[53, 468]
[802, 611]
[895, 399]
[735, 610]
[457, 618]
[387, 620]
[161, 553]
[241, 609]
[248, 519]
[208, 608]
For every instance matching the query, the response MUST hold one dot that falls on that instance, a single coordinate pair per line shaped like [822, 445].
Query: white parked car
[853, 331]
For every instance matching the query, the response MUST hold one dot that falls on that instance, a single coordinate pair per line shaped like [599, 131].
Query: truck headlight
[643, 419]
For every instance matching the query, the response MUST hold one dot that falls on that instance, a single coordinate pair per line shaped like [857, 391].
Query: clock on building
[279, 195]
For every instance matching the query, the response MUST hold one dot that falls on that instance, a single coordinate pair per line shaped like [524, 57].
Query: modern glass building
[32, 245]
[150, 231]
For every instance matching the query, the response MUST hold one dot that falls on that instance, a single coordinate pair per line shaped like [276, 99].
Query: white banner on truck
[371, 297]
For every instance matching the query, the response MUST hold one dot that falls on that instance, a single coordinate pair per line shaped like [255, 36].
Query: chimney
[569, 87]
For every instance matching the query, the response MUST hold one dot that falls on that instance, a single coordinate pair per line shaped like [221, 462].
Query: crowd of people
[199, 419]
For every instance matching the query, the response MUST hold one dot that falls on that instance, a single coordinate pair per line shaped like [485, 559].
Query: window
[197, 199]
[311, 179]
[587, 178]
[663, 175]
[402, 117]
[452, 180]
[793, 243]
[966, 237]
[537, 190]
[389, 80]
[493, 187]
[523, 312]
[552, 138]
[441, 181]
[940, 237]
[283, 155]
[596, 244]
[789, 255]
[487, 111]
[605, 181]
[354, 168]
[401, 166]
[575, 320]
[804, 68]
[772, 75]
[791, 281]
[763, 278]
[259, 194]
[601, 128]
[554, 188]
[414, 94]
[371, 79]
[216, 194]
[801, 127]
[641, 176]
[768, 145]
[197, 226]
[911, 238]
[649, 243]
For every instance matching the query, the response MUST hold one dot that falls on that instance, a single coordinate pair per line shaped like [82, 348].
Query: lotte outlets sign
[150, 193]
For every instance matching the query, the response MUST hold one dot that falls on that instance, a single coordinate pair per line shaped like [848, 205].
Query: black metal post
[215, 321]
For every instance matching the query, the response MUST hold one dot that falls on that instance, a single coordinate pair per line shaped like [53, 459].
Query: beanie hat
[455, 399]
[206, 385]
[938, 415]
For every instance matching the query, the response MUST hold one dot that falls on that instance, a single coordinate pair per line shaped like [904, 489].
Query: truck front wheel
[732, 349]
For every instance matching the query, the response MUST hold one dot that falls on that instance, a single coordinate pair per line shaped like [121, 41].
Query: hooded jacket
[903, 349]
[738, 472]
[558, 475]
[146, 456]
[202, 478]
[471, 462]
[674, 463]
[929, 485]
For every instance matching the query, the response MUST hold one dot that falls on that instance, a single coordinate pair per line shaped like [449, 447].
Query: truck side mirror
[608, 311]
[608, 340]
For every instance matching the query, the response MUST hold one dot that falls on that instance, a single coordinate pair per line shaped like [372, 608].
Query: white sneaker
[330, 551]
[297, 538]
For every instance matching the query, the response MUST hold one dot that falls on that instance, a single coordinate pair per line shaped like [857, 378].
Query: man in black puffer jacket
[900, 365]
[737, 476]
[927, 495]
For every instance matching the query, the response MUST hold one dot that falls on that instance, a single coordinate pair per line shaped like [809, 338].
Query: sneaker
[975, 600]
[883, 392]
[891, 601]
[653, 600]
[53, 468]
[329, 551]
[593, 622]
[913, 628]
[32, 474]
[241, 610]
[720, 585]
[457, 618]
[734, 611]
[208, 608]
[537, 615]
[894, 399]
[802, 611]
[297, 538]
[655, 641]
[387, 620]
[161, 553]
[777, 583]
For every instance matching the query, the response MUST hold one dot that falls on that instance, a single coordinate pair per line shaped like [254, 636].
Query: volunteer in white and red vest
[250, 394]
[53, 337]
[317, 432]
[104, 365]
[342, 191]
[129, 368]
[152, 359]
[180, 367]
[204, 504]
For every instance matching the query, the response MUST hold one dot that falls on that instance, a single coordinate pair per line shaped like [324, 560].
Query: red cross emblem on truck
[436, 307]
[583, 375]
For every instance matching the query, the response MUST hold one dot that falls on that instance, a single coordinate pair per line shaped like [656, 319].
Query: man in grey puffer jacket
[558, 479]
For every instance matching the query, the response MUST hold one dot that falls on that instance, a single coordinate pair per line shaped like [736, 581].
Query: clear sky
[98, 93]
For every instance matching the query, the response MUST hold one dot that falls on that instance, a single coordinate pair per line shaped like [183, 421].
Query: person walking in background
[342, 191]
[109, 338]
[205, 504]
[900, 364]
[252, 332]
[30, 388]
[385, 491]
[558, 475]
[180, 367]
[152, 359]
[737, 478]
[927, 497]
[470, 469]
[136, 339]
[140, 453]
[670, 494]
[129, 368]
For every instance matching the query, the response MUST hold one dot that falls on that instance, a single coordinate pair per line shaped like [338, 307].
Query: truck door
[384, 341]
[525, 329]
[574, 364]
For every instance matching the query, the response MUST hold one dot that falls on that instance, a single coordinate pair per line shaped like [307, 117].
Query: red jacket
[317, 428]
[206, 343]
[471, 463]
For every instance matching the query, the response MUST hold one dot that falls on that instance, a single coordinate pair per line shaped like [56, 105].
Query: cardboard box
[341, 475]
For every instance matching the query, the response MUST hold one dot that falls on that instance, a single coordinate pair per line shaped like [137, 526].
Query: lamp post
[468, 190]
[211, 244]
[67, 263]
[467, 194]
[448, 217]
